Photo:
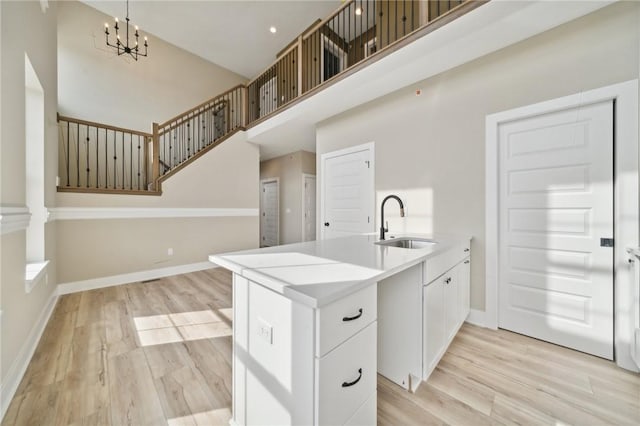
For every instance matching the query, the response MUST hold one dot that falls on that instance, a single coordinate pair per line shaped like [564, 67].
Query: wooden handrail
[102, 126]
[203, 104]
[188, 115]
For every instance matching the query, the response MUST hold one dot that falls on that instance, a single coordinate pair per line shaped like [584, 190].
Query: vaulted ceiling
[231, 33]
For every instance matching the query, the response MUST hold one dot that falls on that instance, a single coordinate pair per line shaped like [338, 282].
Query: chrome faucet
[384, 229]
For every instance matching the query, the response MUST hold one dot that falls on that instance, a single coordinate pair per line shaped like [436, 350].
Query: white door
[556, 203]
[309, 208]
[347, 192]
[269, 213]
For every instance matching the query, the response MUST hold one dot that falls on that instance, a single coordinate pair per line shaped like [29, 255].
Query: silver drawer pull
[466, 250]
[466, 261]
[345, 319]
[347, 384]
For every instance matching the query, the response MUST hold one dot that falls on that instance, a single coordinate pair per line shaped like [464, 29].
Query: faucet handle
[386, 226]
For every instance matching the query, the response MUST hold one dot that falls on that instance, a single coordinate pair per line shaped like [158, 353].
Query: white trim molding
[84, 213]
[14, 218]
[627, 215]
[132, 277]
[476, 317]
[19, 366]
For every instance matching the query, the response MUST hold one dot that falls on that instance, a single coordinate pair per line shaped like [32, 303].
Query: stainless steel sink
[408, 243]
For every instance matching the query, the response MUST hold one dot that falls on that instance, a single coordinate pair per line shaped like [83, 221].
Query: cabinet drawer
[344, 318]
[346, 377]
[436, 266]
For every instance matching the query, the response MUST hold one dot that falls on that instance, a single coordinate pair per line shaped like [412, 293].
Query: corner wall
[25, 29]
[430, 149]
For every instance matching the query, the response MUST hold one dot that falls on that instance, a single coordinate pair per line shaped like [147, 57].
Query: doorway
[556, 227]
[269, 212]
[308, 207]
[347, 190]
[553, 259]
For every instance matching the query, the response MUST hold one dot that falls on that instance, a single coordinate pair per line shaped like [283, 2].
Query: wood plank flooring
[159, 353]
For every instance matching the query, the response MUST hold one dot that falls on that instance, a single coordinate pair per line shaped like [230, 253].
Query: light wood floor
[160, 353]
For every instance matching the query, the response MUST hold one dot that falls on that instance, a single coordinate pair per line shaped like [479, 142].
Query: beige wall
[25, 28]
[98, 86]
[289, 169]
[225, 177]
[430, 148]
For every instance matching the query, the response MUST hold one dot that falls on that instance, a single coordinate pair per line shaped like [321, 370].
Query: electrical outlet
[169, 251]
[265, 330]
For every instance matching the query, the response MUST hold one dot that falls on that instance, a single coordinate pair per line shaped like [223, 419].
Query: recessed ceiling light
[273, 30]
[358, 11]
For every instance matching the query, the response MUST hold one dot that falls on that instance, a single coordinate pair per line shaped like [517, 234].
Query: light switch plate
[265, 330]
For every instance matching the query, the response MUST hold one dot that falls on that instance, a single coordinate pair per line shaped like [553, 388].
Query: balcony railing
[100, 158]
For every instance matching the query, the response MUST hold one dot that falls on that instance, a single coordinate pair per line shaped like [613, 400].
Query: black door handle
[326, 224]
[353, 318]
[347, 384]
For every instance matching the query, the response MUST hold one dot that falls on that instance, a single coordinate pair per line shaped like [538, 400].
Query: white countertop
[319, 272]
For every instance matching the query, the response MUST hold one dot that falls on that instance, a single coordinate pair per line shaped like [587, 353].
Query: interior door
[348, 192]
[556, 204]
[309, 210]
[269, 215]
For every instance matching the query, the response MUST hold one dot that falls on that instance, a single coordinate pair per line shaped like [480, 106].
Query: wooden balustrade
[96, 157]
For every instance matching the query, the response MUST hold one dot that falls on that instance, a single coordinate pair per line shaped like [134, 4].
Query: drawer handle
[447, 281]
[466, 250]
[466, 262]
[347, 384]
[353, 318]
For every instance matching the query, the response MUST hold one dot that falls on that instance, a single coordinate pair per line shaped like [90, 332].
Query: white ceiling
[231, 33]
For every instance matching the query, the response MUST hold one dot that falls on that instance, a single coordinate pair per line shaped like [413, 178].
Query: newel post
[155, 166]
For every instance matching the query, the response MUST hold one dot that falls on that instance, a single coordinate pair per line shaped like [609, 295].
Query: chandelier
[124, 47]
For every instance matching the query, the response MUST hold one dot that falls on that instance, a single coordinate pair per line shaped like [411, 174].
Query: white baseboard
[476, 317]
[76, 286]
[20, 364]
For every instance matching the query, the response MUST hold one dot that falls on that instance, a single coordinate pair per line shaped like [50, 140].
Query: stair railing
[95, 157]
[183, 138]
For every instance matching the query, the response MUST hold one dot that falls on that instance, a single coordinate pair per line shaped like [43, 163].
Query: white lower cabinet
[446, 307]
[346, 378]
[433, 325]
[286, 372]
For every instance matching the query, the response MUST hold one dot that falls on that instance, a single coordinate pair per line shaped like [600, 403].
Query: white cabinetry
[293, 364]
[419, 312]
[446, 307]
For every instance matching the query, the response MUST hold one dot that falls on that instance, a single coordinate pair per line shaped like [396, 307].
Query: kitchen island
[314, 322]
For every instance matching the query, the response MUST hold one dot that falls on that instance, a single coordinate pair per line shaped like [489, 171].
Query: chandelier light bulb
[358, 11]
[125, 45]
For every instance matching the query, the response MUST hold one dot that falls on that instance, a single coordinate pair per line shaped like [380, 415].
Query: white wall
[430, 148]
[24, 29]
[97, 85]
